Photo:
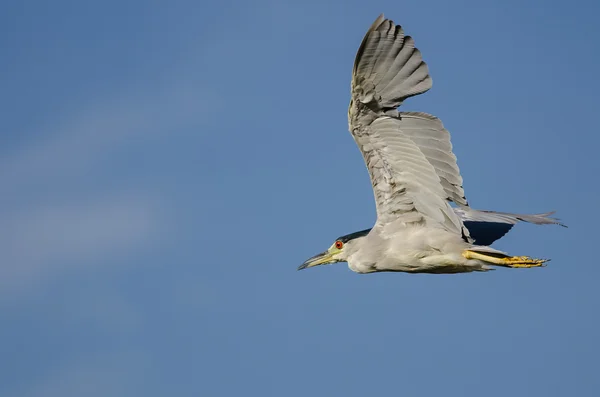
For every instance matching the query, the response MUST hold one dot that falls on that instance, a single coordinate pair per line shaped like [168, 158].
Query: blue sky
[166, 166]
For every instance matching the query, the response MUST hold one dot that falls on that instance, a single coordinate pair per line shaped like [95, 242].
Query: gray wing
[470, 214]
[409, 157]
[433, 139]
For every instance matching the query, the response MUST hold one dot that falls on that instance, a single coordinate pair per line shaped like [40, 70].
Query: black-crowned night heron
[414, 175]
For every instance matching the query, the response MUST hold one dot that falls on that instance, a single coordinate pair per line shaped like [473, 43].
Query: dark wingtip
[556, 221]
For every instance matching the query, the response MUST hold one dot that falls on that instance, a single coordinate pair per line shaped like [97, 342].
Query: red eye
[339, 244]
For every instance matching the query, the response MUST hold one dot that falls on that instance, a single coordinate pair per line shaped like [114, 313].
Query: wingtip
[380, 19]
[556, 220]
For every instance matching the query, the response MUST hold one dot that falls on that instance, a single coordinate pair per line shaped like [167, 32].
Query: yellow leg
[509, 261]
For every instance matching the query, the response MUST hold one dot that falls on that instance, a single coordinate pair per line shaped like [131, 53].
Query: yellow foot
[523, 261]
[508, 261]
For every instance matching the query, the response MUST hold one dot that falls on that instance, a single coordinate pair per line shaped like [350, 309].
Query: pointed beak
[319, 259]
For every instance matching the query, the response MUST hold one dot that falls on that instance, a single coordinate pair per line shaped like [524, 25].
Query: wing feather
[409, 156]
[433, 139]
[403, 180]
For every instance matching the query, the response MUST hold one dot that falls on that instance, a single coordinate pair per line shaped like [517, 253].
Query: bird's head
[339, 251]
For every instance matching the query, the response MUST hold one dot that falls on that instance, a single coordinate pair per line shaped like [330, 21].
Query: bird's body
[414, 174]
[413, 249]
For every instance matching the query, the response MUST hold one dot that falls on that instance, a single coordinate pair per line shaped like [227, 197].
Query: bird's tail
[388, 68]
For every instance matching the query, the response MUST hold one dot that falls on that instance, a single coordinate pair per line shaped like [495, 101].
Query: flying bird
[414, 174]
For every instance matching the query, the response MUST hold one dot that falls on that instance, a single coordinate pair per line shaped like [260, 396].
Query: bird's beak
[319, 259]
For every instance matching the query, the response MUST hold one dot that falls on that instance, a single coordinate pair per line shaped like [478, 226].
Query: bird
[424, 221]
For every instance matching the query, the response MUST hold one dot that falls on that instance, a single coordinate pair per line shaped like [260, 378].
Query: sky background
[166, 166]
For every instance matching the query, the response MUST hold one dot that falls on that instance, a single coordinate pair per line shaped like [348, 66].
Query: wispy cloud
[49, 222]
[42, 240]
[116, 374]
[83, 139]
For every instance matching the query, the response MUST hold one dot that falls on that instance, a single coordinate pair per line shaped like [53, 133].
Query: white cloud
[50, 223]
[42, 240]
[111, 374]
[84, 138]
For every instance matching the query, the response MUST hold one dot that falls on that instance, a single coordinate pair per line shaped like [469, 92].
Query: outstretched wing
[409, 157]
[433, 139]
[485, 227]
